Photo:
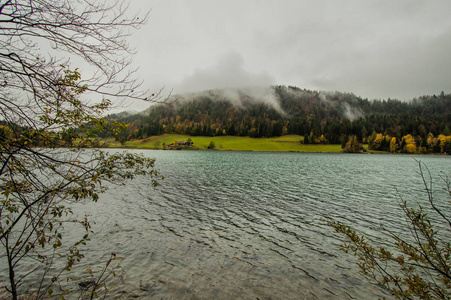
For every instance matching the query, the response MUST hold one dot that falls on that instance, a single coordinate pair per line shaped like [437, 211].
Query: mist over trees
[321, 117]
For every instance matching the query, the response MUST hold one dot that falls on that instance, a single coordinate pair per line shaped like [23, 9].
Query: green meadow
[288, 143]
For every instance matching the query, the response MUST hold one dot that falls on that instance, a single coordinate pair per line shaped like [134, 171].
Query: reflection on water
[240, 225]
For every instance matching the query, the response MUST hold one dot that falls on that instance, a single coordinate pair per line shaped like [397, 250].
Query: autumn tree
[393, 145]
[416, 265]
[376, 142]
[445, 143]
[43, 99]
[433, 143]
[410, 144]
[352, 145]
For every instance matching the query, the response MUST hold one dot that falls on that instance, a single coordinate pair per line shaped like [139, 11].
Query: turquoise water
[250, 225]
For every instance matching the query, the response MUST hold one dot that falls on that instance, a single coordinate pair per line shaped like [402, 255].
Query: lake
[250, 225]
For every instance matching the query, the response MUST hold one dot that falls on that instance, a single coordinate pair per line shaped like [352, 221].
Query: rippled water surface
[249, 225]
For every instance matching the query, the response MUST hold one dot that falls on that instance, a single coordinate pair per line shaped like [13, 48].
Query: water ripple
[251, 225]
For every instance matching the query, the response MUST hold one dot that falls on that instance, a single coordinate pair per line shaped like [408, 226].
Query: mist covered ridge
[281, 110]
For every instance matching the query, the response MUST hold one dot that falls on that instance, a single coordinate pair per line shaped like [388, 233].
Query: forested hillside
[322, 117]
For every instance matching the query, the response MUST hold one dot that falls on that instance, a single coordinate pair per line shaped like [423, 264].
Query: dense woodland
[321, 117]
[418, 126]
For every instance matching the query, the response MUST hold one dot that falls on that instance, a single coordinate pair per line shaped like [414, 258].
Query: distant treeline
[322, 117]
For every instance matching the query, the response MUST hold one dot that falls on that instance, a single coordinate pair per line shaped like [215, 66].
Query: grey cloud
[228, 72]
[375, 49]
[402, 71]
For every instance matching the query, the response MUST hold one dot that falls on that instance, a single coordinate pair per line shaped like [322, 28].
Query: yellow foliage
[431, 140]
[6, 132]
[410, 144]
[377, 142]
[178, 128]
[444, 140]
[393, 145]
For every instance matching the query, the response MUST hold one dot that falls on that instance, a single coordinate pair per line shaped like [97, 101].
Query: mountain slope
[280, 110]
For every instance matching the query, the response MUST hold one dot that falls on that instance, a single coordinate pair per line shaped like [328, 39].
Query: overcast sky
[374, 49]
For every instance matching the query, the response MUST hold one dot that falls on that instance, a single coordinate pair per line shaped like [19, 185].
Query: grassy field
[284, 143]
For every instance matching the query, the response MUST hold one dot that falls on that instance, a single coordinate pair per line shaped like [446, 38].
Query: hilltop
[321, 117]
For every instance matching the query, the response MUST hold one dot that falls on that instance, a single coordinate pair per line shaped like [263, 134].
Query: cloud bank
[227, 73]
[374, 49]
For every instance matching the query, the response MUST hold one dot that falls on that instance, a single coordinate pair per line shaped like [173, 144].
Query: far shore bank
[287, 143]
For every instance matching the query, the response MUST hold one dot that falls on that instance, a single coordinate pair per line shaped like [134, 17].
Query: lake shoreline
[286, 143]
[276, 151]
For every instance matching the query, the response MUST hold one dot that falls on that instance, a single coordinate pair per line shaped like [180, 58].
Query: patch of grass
[287, 143]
